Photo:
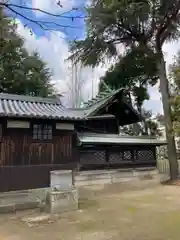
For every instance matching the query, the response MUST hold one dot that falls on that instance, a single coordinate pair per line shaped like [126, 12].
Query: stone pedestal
[61, 201]
[61, 180]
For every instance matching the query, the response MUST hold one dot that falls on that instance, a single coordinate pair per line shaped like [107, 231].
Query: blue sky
[71, 19]
[53, 47]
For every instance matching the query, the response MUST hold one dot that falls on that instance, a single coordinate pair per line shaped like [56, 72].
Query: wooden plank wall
[26, 163]
[18, 148]
[13, 178]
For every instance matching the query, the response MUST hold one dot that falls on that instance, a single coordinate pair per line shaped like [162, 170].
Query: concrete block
[145, 177]
[145, 174]
[153, 172]
[7, 208]
[39, 194]
[27, 205]
[89, 177]
[61, 179]
[115, 176]
[122, 179]
[140, 173]
[102, 176]
[61, 201]
[123, 174]
[93, 182]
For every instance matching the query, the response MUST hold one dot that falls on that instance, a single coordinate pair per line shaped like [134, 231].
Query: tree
[143, 24]
[151, 125]
[135, 66]
[175, 93]
[134, 72]
[20, 72]
[75, 85]
[160, 118]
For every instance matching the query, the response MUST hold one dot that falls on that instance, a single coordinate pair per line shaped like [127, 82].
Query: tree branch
[9, 5]
[41, 24]
[168, 18]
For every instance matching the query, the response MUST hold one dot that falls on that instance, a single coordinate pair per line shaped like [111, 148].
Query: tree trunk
[164, 88]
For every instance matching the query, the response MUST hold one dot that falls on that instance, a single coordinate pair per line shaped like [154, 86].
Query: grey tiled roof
[92, 138]
[35, 107]
[101, 99]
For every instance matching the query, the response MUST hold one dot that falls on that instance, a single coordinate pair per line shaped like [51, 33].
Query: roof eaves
[42, 117]
[104, 101]
[121, 140]
[107, 116]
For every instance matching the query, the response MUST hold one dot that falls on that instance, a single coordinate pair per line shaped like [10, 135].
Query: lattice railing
[115, 156]
[132, 155]
[87, 157]
[147, 154]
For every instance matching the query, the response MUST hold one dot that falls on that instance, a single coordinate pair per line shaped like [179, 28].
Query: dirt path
[111, 214]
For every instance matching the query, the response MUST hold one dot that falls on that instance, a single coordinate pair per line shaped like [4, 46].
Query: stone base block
[93, 182]
[89, 178]
[61, 201]
[122, 179]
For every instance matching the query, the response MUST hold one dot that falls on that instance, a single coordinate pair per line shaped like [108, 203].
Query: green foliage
[20, 73]
[135, 66]
[148, 127]
[144, 23]
[134, 72]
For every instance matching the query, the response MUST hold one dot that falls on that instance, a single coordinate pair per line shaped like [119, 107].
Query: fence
[162, 159]
[163, 165]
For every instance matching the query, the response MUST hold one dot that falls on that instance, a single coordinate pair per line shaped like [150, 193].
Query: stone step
[14, 201]
[13, 195]
[24, 205]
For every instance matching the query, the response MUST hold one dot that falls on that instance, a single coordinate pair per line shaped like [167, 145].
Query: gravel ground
[114, 212]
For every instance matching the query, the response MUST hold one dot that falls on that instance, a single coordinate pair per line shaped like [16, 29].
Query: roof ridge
[99, 97]
[27, 98]
[35, 107]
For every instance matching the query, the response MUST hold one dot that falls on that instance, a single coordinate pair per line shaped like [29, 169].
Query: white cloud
[52, 6]
[54, 51]
[170, 50]
[155, 104]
